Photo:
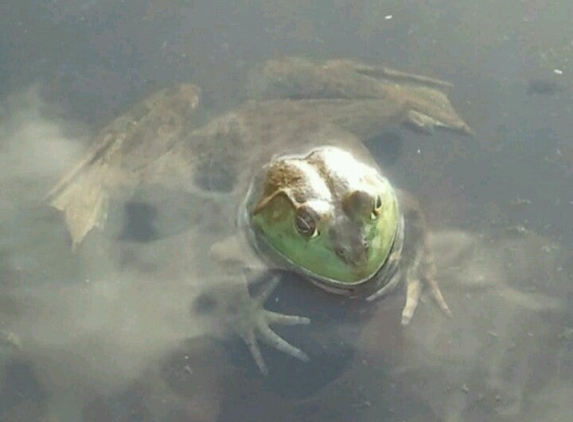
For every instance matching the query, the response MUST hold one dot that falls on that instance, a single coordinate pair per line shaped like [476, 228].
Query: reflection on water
[508, 346]
[111, 334]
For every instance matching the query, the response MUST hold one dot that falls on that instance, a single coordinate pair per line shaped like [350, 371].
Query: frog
[299, 189]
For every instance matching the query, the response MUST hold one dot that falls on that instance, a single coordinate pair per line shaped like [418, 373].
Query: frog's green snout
[355, 257]
[351, 249]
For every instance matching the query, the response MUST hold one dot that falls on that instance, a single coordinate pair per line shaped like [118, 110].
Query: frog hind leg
[85, 206]
[429, 108]
[427, 105]
[299, 77]
[387, 73]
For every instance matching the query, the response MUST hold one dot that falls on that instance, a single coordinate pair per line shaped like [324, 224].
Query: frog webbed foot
[254, 323]
[422, 122]
[428, 109]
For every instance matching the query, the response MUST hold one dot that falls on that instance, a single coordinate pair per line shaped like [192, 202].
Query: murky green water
[500, 207]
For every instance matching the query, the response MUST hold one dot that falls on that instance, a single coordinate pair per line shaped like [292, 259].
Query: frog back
[229, 150]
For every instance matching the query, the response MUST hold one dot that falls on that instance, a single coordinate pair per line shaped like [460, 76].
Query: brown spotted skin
[302, 105]
[337, 102]
[121, 155]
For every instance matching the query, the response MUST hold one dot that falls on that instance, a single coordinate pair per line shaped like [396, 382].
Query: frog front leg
[416, 262]
[254, 323]
[422, 271]
[246, 314]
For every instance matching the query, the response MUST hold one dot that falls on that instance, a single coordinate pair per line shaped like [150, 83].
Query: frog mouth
[387, 275]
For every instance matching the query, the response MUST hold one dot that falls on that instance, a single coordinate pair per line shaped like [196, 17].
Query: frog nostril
[366, 246]
[341, 253]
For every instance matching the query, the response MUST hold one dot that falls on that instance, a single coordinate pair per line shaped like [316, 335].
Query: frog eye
[376, 207]
[305, 223]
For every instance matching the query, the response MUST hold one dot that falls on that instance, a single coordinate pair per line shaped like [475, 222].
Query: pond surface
[499, 206]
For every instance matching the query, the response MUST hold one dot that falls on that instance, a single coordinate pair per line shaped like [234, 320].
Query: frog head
[324, 214]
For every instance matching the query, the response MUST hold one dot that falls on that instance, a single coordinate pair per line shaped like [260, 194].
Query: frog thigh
[120, 155]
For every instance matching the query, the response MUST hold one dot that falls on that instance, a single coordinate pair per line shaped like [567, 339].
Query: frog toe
[413, 293]
[273, 339]
[250, 340]
[263, 332]
[256, 325]
[438, 297]
[283, 319]
[265, 291]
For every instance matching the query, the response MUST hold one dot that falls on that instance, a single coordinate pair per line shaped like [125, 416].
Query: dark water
[500, 206]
